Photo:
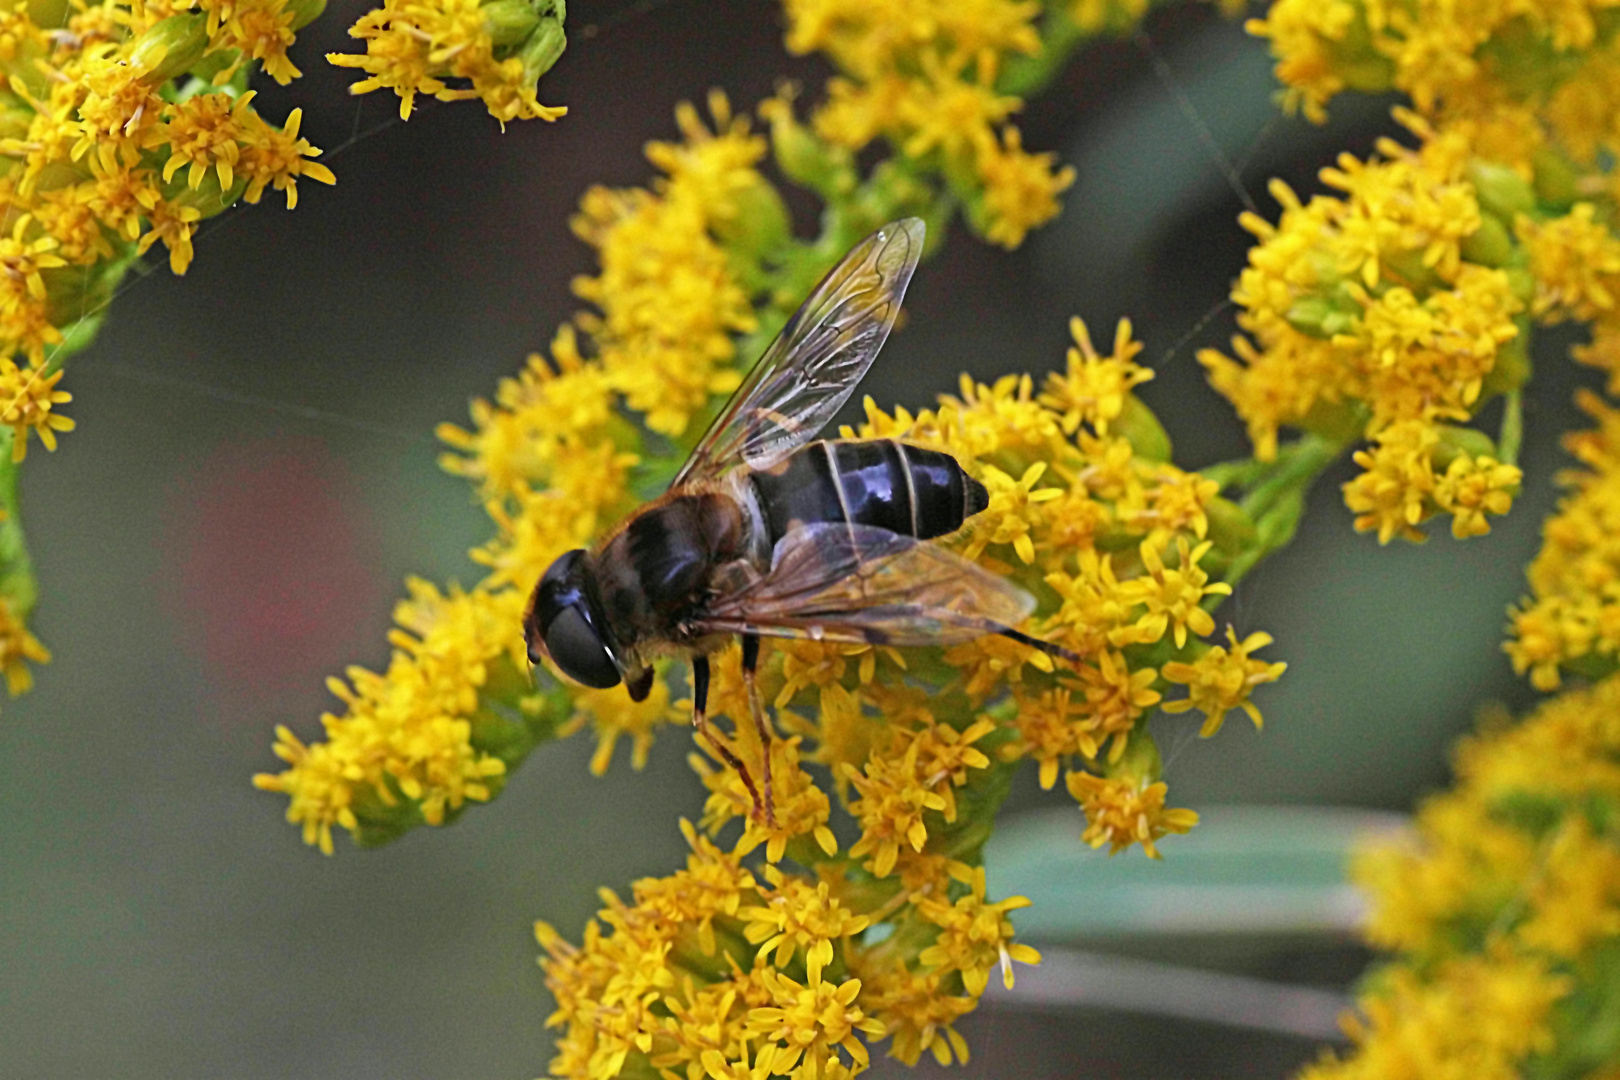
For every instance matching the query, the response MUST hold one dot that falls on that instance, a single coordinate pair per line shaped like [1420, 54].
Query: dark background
[254, 475]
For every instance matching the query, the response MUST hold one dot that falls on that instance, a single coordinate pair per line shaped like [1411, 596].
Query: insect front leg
[700, 721]
[750, 662]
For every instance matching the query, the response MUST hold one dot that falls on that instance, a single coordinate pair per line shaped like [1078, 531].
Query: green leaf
[1252, 870]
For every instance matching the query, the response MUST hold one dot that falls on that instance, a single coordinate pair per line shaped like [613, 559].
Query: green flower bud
[1281, 520]
[509, 22]
[305, 12]
[1555, 180]
[1500, 190]
[1230, 527]
[1456, 441]
[1337, 421]
[170, 48]
[1141, 762]
[1322, 316]
[15, 117]
[1354, 59]
[207, 197]
[760, 224]
[805, 159]
[1142, 430]
[1489, 245]
[50, 14]
[1512, 368]
[544, 48]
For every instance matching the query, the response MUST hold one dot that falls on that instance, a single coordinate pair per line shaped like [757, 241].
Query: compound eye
[577, 649]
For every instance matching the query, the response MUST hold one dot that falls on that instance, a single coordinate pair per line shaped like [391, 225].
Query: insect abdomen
[880, 482]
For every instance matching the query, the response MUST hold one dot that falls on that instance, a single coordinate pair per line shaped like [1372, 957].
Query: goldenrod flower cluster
[494, 51]
[779, 950]
[125, 125]
[730, 969]
[922, 74]
[1378, 311]
[1503, 217]
[1437, 263]
[1503, 912]
[1398, 308]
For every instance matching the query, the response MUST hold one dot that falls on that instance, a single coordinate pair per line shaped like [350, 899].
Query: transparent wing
[818, 359]
[837, 582]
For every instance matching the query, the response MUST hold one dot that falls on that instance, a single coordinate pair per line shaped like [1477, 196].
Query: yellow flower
[893, 798]
[612, 714]
[1046, 731]
[806, 1024]
[1396, 488]
[1571, 613]
[1474, 1016]
[278, 158]
[18, 648]
[28, 399]
[1222, 679]
[498, 51]
[916, 1010]
[1094, 388]
[975, 935]
[799, 916]
[1173, 598]
[1364, 310]
[1575, 260]
[1013, 513]
[667, 293]
[407, 733]
[801, 808]
[1473, 487]
[1122, 811]
[1115, 698]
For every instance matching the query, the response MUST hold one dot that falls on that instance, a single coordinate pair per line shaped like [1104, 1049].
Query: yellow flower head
[1122, 811]
[492, 51]
[975, 935]
[1222, 679]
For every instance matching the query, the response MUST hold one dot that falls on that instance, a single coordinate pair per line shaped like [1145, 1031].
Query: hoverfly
[765, 533]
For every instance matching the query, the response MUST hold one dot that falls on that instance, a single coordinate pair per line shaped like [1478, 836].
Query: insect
[766, 533]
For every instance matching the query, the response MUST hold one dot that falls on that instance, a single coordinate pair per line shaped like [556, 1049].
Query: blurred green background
[254, 474]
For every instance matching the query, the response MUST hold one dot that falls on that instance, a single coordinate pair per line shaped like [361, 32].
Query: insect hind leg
[700, 721]
[750, 662]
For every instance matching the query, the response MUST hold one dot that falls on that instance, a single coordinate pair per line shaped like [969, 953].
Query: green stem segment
[1275, 499]
[1512, 436]
[17, 582]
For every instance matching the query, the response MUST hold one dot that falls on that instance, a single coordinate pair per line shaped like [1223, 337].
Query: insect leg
[750, 662]
[700, 721]
[1046, 647]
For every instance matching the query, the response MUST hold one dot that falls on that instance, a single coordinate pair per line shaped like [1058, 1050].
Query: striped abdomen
[883, 483]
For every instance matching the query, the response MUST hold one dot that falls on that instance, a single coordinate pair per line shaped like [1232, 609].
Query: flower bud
[1456, 441]
[1489, 245]
[802, 156]
[1138, 426]
[1501, 191]
[170, 48]
[1229, 526]
[544, 46]
[1140, 763]
[1322, 316]
[1512, 367]
[304, 12]
[760, 224]
[509, 22]
[1555, 179]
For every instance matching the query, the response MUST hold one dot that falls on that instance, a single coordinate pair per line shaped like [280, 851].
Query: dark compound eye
[577, 649]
